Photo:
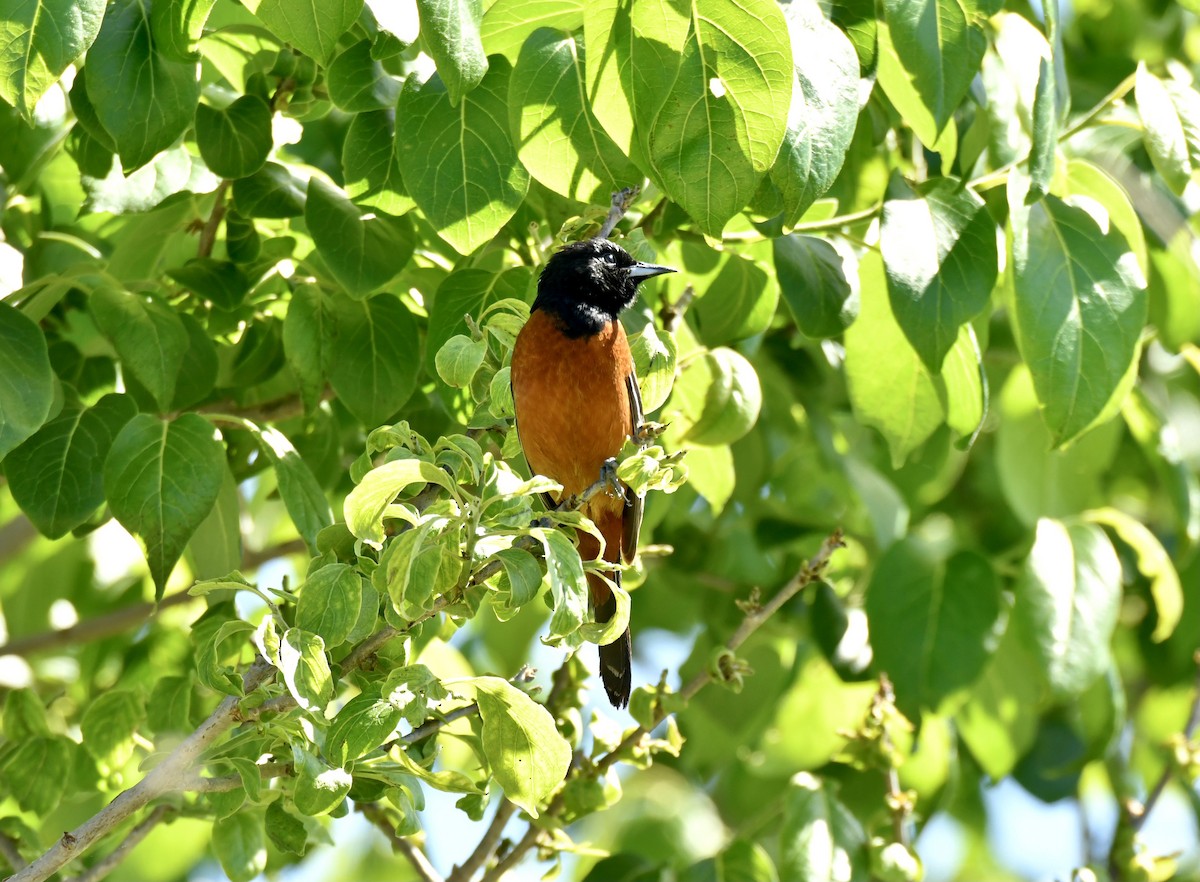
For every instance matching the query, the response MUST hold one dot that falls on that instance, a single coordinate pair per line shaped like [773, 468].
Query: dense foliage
[262, 267]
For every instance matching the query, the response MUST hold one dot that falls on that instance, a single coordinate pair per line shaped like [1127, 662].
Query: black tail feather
[616, 659]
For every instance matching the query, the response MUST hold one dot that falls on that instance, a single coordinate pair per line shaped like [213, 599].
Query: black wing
[634, 504]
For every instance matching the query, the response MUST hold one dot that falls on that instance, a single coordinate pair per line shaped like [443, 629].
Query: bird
[576, 399]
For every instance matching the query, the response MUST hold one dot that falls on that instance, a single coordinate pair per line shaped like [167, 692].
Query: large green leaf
[366, 504]
[469, 291]
[370, 166]
[329, 603]
[1079, 306]
[939, 251]
[302, 495]
[373, 356]
[508, 23]
[161, 479]
[814, 286]
[934, 622]
[313, 27]
[736, 295]
[144, 100]
[308, 333]
[149, 337]
[820, 838]
[1067, 603]
[235, 140]
[363, 250]
[559, 139]
[459, 162]
[109, 724]
[358, 83]
[527, 755]
[53, 475]
[451, 32]
[240, 845]
[178, 25]
[38, 39]
[26, 378]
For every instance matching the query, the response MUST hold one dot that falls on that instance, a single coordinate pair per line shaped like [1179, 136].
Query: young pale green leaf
[1162, 130]
[709, 86]
[319, 788]
[939, 250]
[559, 139]
[367, 503]
[527, 755]
[470, 291]
[508, 23]
[305, 669]
[53, 475]
[26, 379]
[42, 37]
[313, 28]
[518, 582]
[732, 402]
[1079, 306]
[215, 549]
[655, 355]
[285, 830]
[823, 111]
[236, 140]
[373, 356]
[308, 333]
[564, 575]
[329, 603]
[178, 25]
[1067, 602]
[358, 83]
[418, 566]
[161, 479]
[814, 286]
[215, 647]
[144, 100]
[369, 164]
[934, 48]
[364, 724]
[820, 838]
[37, 771]
[446, 780]
[272, 192]
[302, 495]
[500, 398]
[451, 32]
[1153, 562]
[240, 846]
[149, 337]
[711, 474]
[363, 250]
[459, 162]
[109, 724]
[934, 623]
[459, 359]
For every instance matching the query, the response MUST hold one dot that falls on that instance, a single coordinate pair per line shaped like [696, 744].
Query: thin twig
[621, 200]
[487, 844]
[672, 313]
[10, 852]
[838, 221]
[225, 783]
[113, 859]
[1139, 813]
[208, 235]
[376, 815]
[896, 800]
[432, 726]
[514, 857]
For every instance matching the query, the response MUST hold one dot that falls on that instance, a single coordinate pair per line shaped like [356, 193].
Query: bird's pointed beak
[641, 271]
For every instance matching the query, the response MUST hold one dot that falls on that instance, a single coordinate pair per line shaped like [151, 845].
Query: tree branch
[208, 235]
[113, 859]
[621, 200]
[514, 857]
[376, 815]
[487, 845]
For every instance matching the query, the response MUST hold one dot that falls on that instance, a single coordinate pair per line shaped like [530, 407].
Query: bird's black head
[585, 285]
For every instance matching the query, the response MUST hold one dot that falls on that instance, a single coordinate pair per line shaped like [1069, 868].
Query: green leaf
[823, 111]
[1045, 133]
[1153, 562]
[24, 716]
[364, 724]
[367, 503]
[655, 361]
[418, 566]
[559, 139]
[741, 860]
[820, 838]
[518, 582]
[53, 475]
[319, 788]
[220, 281]
[36, 773]
[1086, 181]
[813, 283]
[458, 360]
[1079, 307]
[358, 83]
[939, 251]
[1000, 719]
[370, 166]
[161, 479]
[470, 291]
[308, 333]
[934, 48]
[26, 379]
[149, 337]
[732, 402]
[1067, 601]
[167, 173]
[363, 250]
[736, 295]
[272, 192]
[313, 28]
[178, 25]
[1163, 130]
[285, 830]
[329, 603]
[145, 100]
[710, 473]
[508, 23]
[235, 141]
[109, 724]
[170, 706]
[459, 163]
[527, 755]
[302, 495]
[707, 90]
[305, 669]
[564, 575]
[41, 38]
[240, 846]
[934, 623]
[373, 356]
[451, 32]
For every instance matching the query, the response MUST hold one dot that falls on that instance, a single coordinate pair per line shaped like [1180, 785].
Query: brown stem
[896, 800]
[377, 816]
[208, 235]
[113, 859]
[621, 200]
[672, 313]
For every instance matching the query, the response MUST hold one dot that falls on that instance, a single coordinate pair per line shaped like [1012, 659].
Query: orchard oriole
[577, 400]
